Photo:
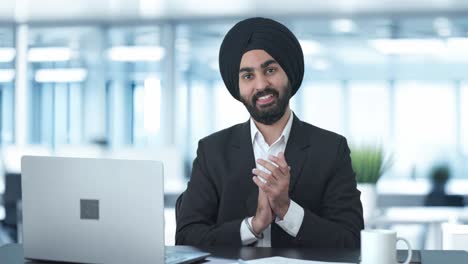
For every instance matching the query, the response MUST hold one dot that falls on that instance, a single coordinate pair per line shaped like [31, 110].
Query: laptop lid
[93, 210]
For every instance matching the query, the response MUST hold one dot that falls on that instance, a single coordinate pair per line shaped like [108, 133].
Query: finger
[269, 162]
[271, 186]
[281, 161]
[269, 178]
[273, 169]
[263, 186]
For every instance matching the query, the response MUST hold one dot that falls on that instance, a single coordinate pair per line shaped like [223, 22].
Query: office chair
[177, 205]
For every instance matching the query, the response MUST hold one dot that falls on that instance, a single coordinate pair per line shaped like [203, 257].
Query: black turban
[265, 34]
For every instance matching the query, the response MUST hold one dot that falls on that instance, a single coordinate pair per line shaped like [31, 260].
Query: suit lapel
[295, 152]
[243, 161]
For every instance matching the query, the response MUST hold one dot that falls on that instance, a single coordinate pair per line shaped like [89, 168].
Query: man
[274, 180]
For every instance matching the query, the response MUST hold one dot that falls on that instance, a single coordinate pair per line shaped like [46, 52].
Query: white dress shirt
[293, 218]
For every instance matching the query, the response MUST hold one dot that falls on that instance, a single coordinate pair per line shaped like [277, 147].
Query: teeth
[265, 97]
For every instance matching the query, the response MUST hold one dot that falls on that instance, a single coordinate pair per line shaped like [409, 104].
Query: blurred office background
[140, 79]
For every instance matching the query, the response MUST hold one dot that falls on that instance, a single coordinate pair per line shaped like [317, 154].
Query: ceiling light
[136, 53]
[321, 65]
[408, 46]
[343, 25]
[49, 54]
[310, 47]
[7, 54]
[60, 75]
[7, 75]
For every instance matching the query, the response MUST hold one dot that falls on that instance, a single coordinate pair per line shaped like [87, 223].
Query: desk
[431, 217]
[13, 254]
[419, 215]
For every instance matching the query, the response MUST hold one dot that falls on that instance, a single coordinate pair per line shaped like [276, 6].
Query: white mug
[379, 246]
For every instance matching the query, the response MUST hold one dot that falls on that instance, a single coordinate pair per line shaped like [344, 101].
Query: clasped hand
[273, 193]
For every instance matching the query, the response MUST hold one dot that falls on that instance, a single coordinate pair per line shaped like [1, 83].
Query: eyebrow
[263, 66]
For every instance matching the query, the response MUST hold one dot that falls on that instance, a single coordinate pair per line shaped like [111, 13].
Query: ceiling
[198, 40]
[114, 10]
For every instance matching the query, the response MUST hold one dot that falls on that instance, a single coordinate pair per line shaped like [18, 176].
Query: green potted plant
[369, 163]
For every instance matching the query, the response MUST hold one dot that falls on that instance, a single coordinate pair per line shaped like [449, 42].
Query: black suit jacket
[221, 193]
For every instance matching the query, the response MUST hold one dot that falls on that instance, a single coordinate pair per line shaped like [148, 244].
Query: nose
[261, 82]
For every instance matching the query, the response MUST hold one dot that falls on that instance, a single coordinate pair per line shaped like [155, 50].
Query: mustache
[264, 92]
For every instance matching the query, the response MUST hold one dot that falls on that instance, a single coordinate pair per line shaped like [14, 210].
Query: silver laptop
[95, 211]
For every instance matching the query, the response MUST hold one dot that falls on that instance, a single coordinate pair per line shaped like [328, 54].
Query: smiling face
[264, 87]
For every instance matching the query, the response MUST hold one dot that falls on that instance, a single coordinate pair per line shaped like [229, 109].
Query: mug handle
[410, 252]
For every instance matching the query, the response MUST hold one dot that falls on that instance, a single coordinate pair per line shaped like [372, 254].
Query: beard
[270, 113]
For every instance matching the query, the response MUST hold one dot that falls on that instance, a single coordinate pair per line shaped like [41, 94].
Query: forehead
[254, 58]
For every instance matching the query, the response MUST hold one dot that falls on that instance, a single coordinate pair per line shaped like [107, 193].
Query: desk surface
[420, 215]
[13, 254]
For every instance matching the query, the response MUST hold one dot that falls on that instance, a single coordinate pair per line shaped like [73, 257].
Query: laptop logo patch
[89, 209]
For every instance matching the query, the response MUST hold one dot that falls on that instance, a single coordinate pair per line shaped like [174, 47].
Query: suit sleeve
[196, 223]
[340, 219]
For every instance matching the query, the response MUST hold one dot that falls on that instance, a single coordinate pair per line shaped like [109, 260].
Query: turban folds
[264, 34]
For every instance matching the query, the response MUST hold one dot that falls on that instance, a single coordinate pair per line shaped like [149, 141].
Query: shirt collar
[286, 130]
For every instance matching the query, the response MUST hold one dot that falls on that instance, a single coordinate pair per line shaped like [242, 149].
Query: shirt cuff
[292, 220]
[246, 236]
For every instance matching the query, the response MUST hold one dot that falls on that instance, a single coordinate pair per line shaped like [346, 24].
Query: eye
[247, 76]
[270, 71]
